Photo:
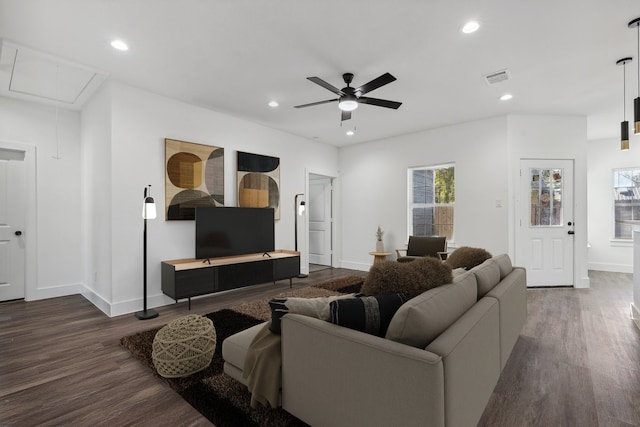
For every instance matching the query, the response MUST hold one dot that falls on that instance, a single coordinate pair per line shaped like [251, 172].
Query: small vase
[379, 246]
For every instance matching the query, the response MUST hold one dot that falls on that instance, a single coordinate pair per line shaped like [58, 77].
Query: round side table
[379, 257]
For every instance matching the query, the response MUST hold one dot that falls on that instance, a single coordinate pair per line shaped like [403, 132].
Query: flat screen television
[233, 231]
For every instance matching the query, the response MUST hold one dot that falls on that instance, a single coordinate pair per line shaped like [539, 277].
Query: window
[546, 197]
[431, 200]
[626, 200]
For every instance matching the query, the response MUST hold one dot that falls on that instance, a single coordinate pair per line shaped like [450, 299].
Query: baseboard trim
[53, 292]
[355, 265]
[125, 307]
[97, 300]
[614, 268]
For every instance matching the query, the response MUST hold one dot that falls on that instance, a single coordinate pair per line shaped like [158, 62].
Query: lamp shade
[148, 208]
[624, 135]
[636, 116]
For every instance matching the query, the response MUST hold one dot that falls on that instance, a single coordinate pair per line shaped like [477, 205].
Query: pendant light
[624, 125]
[636, 102]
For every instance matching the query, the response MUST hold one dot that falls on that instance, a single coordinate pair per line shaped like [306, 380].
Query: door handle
[571, 232]
[18, 233]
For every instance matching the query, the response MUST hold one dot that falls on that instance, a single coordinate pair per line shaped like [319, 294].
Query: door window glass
[546, 197]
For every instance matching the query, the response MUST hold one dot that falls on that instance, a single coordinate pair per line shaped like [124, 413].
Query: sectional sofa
[437, 366]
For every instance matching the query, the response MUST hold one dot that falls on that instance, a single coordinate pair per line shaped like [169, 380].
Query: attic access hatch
[38, 77]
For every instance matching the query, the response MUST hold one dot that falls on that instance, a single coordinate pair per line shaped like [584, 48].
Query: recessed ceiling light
[119, 44]
[273, 104]
[350, 132]
[470, 27]
[506, 97]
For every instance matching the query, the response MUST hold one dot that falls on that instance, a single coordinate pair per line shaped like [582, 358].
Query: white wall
[59, 252]
[374, 187]
[140, 122]
[606, 253]
[97, 196]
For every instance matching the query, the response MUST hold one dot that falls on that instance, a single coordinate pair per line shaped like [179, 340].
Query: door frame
[335, 243]
[330, 180]
[31, 229]
[518, 211]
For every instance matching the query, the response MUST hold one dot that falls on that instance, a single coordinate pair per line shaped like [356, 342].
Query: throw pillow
[371, 315]
[410, 279]
[312, 307]
[467, 257]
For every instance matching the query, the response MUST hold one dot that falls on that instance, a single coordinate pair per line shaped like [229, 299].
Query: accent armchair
[421, 246]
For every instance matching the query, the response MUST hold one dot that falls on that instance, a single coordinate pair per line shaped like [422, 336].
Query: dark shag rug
[218, 397]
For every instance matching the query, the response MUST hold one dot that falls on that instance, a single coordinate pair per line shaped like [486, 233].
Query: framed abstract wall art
[194, 176]
[259, 182]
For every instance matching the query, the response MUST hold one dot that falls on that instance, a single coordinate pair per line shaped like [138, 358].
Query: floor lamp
[148, 212]
[299, 210]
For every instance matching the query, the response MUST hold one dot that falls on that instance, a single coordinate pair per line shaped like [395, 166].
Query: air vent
[497, 77]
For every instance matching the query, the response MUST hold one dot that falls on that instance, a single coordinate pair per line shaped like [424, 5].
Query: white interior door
[319, 206]
[545, 240]
[13, 202]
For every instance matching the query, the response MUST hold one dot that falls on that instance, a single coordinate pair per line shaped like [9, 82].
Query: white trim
[622, 243]
[616, 268]
[335, 209]
[357, 265]
[55, 291]
[96, 300]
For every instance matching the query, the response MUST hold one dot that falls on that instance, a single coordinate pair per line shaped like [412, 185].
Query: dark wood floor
[577, 362]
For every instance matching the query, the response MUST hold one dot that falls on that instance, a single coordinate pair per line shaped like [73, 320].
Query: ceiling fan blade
[384, 79]
[316, 103]
[319, 81]
[379, 102]
[346, 115]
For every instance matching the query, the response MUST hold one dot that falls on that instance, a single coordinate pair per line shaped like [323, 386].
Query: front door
[320, 221]
[544, 245]
[13, 204]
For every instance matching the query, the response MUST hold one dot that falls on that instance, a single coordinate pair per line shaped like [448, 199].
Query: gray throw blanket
[263, 368]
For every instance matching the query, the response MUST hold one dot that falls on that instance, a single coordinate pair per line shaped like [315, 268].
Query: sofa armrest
[328, 369]
[400, 250]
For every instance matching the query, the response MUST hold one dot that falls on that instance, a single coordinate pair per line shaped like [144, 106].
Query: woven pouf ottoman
[184, 346]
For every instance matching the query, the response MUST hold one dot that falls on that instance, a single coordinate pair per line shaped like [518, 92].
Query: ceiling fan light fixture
[470, 27]
[348, 103]
[119, 45]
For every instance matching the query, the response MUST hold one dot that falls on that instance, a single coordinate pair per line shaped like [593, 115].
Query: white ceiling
[234, 56]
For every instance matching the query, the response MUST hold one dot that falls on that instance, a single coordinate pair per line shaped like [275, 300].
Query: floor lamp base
[146, 314]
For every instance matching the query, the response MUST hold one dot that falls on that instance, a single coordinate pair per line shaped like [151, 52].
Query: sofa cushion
[467, 257]
[313, 307]
[410, 279]
[371, 315]
[487, 275]
[421, 319]
[234, 348]
[504, 262]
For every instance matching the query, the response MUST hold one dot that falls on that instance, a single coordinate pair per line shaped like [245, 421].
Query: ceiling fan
[350, 97]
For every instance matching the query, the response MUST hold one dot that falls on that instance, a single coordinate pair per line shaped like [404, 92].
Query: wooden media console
[186, 278]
